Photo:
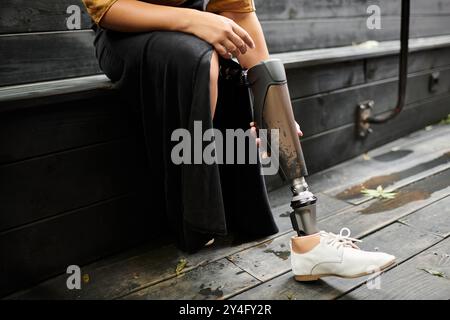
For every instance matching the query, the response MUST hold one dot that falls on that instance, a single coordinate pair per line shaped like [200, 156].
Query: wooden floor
[414, 226]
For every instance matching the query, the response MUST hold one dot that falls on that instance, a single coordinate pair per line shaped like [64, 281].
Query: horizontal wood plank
[42, 250]
[60, 127]
[306, 9]
[21, 16]
[36, 57]
[434, 218]
[425, 145]
[72, 179]
[214, 281]
[330, 110]
[293, 35]
[343, 144]
[411, 280]
[373, 215]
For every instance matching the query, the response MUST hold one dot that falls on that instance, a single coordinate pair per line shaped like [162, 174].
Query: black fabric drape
[165, 77]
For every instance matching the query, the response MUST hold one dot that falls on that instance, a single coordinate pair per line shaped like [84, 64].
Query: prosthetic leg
[272, 109]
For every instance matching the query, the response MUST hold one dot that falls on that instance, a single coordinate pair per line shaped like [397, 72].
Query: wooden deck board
[216, 280]
[260, 269]
[434, 218]
[271, 259]
[150, 267]
[411, 281]
[375, 214]
[400, 240]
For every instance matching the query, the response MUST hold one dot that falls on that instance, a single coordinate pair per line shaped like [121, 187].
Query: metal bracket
[363, 113]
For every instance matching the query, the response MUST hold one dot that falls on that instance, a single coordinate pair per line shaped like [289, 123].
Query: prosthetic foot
[272, 109]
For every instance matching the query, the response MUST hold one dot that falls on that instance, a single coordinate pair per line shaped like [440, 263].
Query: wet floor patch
[207, 292]
[354, 192]
[392, 155]
[418, 191]
[283, 254]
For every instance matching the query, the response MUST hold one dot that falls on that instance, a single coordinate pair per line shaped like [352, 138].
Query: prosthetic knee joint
[272, 109]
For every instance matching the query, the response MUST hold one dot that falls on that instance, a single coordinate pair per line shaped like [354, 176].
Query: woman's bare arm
[226, 36]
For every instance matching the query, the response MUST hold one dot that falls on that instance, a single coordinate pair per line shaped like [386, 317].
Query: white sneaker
[337, 255]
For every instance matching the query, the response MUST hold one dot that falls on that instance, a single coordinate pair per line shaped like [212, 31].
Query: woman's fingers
[238, 42]
[243, 35]
[231, 47]
[223, 51]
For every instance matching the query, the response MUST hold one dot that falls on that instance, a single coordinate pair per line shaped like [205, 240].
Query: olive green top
[98, 8]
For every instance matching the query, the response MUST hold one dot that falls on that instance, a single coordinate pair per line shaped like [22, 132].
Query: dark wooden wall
[73, 184]
[306, 24]
[33, 31]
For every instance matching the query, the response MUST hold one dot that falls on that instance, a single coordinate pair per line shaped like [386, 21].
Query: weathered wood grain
[397, 239]
[306, 9]
[276, 252]
[393, 181]
[373, 215]
[73, 179]
[326, 111]
[424, 144]
[379, 68]
[60, 127]
[410, 281]
[19, 16]
[36, 57]
[151, 267]
[321, 56]
[154, 265]
[316, 79]
[434, 218]
[217, 280]
[32, 16]
[51, 92]
[38, 251]
[343, 144]
[292, 35]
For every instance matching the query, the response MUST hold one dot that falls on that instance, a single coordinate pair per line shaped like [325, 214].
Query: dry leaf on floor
[379, 192]
[180, 266]
[434, 273]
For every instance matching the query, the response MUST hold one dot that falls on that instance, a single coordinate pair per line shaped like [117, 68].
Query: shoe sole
[315, 277]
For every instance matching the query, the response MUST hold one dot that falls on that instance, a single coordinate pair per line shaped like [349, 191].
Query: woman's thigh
[157, 52]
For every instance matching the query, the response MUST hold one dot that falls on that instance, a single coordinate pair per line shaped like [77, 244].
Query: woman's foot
[327, 254]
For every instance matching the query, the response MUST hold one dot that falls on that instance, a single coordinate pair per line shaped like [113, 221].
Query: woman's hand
[225, 35]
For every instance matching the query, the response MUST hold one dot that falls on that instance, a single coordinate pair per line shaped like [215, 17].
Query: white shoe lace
[341, 239]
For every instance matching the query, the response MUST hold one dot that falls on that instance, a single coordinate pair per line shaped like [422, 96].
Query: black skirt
[165, 76]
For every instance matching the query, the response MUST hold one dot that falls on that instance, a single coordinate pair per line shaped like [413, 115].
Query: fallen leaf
[434, 273]
[180, 266]
[379, 192]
